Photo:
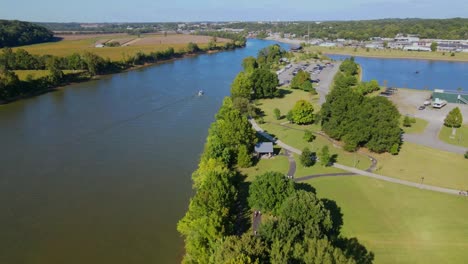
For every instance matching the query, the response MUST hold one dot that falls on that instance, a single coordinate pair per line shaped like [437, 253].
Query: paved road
[430, 138]
[292, 163]
[357, 171]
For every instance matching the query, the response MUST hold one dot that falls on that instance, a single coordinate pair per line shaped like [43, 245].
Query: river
[401, 73]
[100, 172]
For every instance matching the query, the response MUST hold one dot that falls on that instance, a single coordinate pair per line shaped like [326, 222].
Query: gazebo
[264, 148]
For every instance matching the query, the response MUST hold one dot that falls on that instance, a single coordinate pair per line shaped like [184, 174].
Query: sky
[234, 10]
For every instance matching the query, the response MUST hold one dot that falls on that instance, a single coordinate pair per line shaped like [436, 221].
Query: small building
[264, 148]
[450, 96]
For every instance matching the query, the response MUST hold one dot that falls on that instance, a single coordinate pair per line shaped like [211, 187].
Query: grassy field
[277, 163]
[391, 53]
[144, 43]
[439, 168]
[415, 128]
[36, 74]
[302, 171]
[460, 139]
[293, 134]
[400, 224]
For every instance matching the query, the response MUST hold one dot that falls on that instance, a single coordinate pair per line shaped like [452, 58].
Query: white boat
[200, 93]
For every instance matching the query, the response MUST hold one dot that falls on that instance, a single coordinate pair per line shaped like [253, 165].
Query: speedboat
[200, 93]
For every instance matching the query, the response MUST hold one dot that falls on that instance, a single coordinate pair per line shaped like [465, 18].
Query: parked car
[422, 107]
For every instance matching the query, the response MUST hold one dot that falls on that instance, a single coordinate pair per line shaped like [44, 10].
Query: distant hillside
[17, 33]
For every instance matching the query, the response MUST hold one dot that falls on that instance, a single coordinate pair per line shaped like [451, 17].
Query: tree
[242, 86]
[309, 136]
[434, 46]
[192, 47]
[265, 83]
[324, 156]
[244, 159]
[303, 112]
[454, 119]
[277, 113]
[249, 64]
[300, 78]
[55, 74]
[269, 190]
[307, 157]
[407, 122]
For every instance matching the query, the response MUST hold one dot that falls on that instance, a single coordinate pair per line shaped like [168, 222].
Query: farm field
[132, 44]
[399, 224]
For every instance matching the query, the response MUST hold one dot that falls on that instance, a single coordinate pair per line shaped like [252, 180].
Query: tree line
[301, 229]
[17, 33]
[454, 28]
[86, 65]
[360, 121]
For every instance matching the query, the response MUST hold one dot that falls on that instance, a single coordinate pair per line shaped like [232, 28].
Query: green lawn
[400, 224]
[414, 161]
[460, 139]
[415, 128]
[277, 163]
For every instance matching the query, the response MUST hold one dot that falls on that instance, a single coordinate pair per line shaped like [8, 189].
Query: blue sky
[212, 10]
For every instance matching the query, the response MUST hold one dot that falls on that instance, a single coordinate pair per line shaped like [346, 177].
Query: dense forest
[17, 33]
[455, 28]
[217, 228]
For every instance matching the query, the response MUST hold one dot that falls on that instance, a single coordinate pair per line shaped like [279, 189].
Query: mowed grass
[400, 224]
[439, 168]
[36, 74]
[302, 171]
[276, 163]
[460, 139]
[391, 53]
[415, 128]
[67, 47]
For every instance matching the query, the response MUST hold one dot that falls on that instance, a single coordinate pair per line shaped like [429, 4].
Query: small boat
[416, 72]
[200, 93]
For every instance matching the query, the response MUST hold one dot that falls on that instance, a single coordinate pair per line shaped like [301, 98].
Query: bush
[407, 122]
[307, 157]
[466, 155]
[452, 54]
[277, 113]
[309, 136]
[244, 159]
[325, 157]
[395, 149]
[289, 117]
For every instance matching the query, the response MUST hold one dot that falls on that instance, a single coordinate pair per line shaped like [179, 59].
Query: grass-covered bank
[400, 224]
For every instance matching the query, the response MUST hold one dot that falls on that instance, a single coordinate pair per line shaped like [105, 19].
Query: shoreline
[298, 42]
[98, 77]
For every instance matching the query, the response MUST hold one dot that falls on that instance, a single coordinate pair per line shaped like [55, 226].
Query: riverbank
[384, 54]
[86, 77]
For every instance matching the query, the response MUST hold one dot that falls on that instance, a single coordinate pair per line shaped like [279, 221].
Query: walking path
[292, 163]
[354, 170]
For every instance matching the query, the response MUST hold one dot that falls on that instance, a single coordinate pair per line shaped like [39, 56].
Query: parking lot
[318, 71]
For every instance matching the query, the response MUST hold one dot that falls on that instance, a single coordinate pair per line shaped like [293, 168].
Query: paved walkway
[354, 170]
[292, 163]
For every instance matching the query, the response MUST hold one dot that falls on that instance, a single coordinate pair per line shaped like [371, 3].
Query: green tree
[407, 122]
[300, 78]
[249, 64]
[265, 83]
[269, 190]
[244, 158]
[307, 157]
[454, 119]
[434, 46]
[192, 47]
[303, 112]
[309, 136]
[55, 74]
[324, 156]
[232, 248]
[277, 113]
[242, 86]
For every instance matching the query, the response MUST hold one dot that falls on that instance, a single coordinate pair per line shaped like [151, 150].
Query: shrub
[277, 113]
[407, 122]
[309, 136]
[325, 156]
[244, 159]
[394, 149]
[466, 154]
[307, 157]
